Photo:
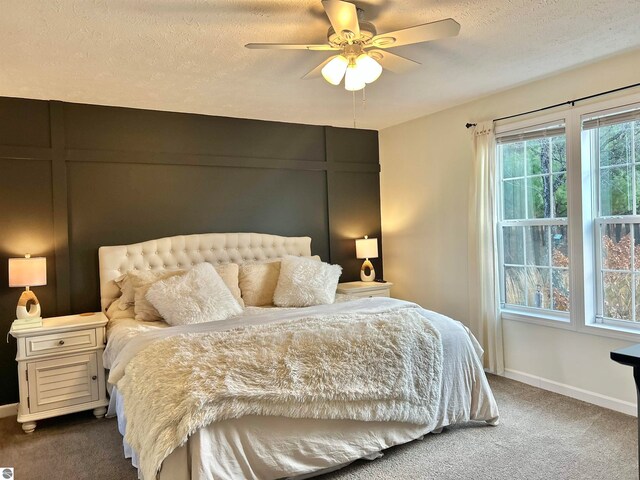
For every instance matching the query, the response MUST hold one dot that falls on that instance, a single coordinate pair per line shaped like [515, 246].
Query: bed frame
[356, 439]
[185, 251]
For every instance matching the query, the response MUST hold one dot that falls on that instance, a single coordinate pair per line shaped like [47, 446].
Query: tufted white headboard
[184, 251]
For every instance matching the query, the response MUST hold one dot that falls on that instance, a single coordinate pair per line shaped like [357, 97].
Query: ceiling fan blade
[317, 72]
[392, 62]
[417, 34]
[343, 17]
[289, 46]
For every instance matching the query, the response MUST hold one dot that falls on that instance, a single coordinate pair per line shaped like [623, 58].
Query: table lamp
[28, 272]
[367, 248]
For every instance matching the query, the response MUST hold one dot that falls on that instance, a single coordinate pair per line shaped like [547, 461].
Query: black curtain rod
[570, 102]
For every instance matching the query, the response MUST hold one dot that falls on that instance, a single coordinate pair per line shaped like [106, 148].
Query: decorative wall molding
[573, 392]
[25, 153]
[203, 160]
[60, 205]
[99, 175]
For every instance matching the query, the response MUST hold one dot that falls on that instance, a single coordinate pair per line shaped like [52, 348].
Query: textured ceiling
[188, 55]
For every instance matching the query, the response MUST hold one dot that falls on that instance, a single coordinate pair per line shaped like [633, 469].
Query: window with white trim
[611, 139]
[533, 229]
[568, 208]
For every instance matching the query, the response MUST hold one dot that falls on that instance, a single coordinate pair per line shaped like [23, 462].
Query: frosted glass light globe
[353, 80]
[335, 69]
[368, 68]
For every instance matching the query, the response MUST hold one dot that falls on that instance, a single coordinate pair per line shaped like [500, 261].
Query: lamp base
[34, 309]
[372, 273]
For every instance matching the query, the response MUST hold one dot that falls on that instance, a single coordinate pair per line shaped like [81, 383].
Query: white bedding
[123, 328]
[275, 447]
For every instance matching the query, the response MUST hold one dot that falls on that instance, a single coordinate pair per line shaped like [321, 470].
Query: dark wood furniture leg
[631, 356]
[636, 377]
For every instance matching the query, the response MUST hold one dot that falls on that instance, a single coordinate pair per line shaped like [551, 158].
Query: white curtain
[484, 310]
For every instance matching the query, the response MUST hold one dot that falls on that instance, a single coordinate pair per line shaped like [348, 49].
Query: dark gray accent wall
[354, 204]
[74, 177]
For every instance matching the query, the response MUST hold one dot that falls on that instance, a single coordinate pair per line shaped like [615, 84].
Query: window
[612, 141]
[533, 219]
[568, 208]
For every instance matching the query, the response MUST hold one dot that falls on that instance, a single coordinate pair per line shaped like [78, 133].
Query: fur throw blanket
[372, 367]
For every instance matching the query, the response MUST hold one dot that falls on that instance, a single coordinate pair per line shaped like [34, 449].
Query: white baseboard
[573, 392]
[8, 410]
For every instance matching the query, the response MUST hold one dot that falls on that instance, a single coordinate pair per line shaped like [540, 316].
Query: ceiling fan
[362, 50]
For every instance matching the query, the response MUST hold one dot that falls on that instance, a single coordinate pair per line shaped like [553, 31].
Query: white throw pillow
[200, 295]
[304, 282]
[258, 281]
[141, 281]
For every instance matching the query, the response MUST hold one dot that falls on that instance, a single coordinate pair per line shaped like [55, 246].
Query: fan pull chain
[364, 98]
[354, 108]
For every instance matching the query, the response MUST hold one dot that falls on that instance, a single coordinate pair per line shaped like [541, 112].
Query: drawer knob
[61, 342]
[94, 377]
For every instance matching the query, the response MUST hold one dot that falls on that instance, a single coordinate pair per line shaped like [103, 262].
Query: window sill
[611, 331]
[561, 322]
[548, 320]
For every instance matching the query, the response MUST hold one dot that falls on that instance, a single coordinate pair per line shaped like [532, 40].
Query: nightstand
[60, 368]
[365, 289]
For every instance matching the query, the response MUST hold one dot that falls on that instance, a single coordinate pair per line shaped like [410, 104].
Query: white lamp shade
[27, 272]
[368, 68]
[367, 248]
[353, 79]
[335, 69]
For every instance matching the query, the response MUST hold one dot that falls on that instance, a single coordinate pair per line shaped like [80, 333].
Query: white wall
[426, 168]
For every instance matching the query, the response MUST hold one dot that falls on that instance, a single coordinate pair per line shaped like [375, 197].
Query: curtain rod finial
[469, 125]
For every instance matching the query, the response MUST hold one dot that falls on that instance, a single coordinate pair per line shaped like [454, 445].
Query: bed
[271, 446]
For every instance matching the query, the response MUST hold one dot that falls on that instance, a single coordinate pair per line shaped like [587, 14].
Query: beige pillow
[230, 275]
[116, 312]
[258, 281]
[128, 295]
[141, 282]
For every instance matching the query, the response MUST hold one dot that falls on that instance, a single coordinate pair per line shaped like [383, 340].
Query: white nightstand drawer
[62, 382]
[365, 289]
[378, 293]
[60, 342]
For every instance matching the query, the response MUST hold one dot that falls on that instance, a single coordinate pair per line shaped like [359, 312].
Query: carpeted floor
[541, 436]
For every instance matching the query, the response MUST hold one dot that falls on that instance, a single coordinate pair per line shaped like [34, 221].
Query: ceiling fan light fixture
[353, 80]
[368, 68]
[350, 36]
[335, 70]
